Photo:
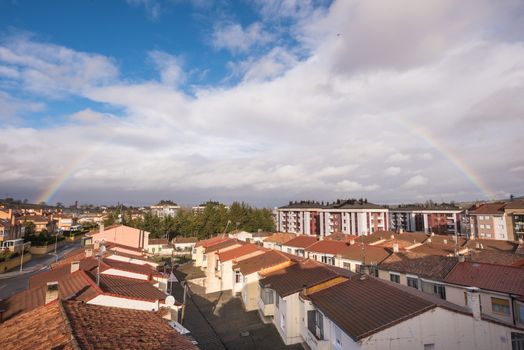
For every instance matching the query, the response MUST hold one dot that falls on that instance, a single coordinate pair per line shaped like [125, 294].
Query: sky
[262, 101]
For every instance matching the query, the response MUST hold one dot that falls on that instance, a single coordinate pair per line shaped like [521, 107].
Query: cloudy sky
[261, 100]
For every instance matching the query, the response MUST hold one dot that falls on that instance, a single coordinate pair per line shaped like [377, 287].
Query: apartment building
[514, 212]
[351, 216]
[442, 219]
[165, 209]
[489, 221]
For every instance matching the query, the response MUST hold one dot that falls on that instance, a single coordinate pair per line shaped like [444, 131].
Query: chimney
[432, 234]
[75, 266]
[392, 236]
[473, 300]
[477, 245]
[51, 293]
[352, 241]
[428, 240]
[461, 258]
[304, 290]
[401, 230]
[445, 241]
[89, 253]
[395, 247]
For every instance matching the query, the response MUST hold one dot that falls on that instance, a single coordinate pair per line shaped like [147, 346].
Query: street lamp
[56, 243]
[22, 258]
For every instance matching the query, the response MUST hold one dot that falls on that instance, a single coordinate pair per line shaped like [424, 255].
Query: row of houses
[104, 295]
[385, 290]
[502, 220]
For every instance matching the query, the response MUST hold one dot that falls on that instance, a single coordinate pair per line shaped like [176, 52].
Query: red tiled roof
[129, 287]
[492, 244]
[495, 257]
[292, 279]
[497, 278]
[364, 306]
[280, 238]
[373, 254]
[156, 241]
[328, 247]
[339, 236]
[489, 208]
[77, 284]
[433, 267]
[43, 327]
[130, 267]
[102, 327]
[210, 241]
[60, 272]
[262, 261]
[239, 252]
[301, 241]
[519, 204]
[222, 245]
[182, 239]
[112, 245]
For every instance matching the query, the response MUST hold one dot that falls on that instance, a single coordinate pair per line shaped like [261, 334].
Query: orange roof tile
[302, 241]
[239, 252]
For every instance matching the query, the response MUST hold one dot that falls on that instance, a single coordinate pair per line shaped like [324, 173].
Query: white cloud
[233, 37]
[398, 158]
[393, 171]
[416, 181]
[316, 127]
[152, 7]
[171, 72]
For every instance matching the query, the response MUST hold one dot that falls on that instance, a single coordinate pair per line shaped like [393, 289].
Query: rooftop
[497, 278]
[328, 247]
[373, 254]
[156, 241]
[128, 287]
[433, 267]
[221, 245]
[236, 253]
[262, 261]
[364, 306]
[280, 238]
[489, 208]
[292, 279]
[492, 244]
[301, 241]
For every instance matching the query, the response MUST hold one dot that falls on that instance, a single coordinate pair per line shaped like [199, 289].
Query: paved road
[14, 281]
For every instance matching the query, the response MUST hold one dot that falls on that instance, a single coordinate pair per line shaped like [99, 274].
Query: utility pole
[22, 258]
[56, 243]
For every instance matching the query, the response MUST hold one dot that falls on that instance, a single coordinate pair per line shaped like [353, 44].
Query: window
[517, 341]
[289, 250]
[266, 295]
[393, 277]
[346, 265]
[283, 322]
[277, 300]
[337, 342]
[440, 291]
[315, 323]
[357, 268]
[482, 226]
[429, 346]
[500, 306]
[413, 282]
[519, 311]
[488, 227]
[238, 277]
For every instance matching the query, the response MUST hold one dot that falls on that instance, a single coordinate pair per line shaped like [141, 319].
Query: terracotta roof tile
[364, 306]
[339, 236]
[144, 269]
[426, 266]
[495, 257]
[292, 279]
[222, 245]
[101, 327]
[492, 244]
[498, 278]
[129, 287]
[43, 327]
[260, 262]
[210, 241]
[489, 208]
[327, 247]
[236, 253]
[156, 241]
[280, 238]
[373, 254]
[60, 272]
[301, 241]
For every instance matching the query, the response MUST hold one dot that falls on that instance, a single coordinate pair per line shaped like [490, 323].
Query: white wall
[115, 272]
[125, 303]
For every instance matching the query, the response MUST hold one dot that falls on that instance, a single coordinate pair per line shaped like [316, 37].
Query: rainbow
[460, 164]
[67, 172]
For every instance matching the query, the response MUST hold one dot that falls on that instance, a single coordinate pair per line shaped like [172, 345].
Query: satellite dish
[170, 300]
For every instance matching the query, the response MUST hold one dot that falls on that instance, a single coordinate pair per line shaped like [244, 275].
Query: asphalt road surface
[15, 281]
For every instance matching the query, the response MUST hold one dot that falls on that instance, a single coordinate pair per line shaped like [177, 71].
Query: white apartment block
[438, 219]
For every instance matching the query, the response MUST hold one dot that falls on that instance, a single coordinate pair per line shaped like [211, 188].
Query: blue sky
[263, 101]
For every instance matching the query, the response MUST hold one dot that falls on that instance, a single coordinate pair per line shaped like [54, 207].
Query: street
[13, 281]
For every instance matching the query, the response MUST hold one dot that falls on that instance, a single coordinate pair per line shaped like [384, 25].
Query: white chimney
[428, 240]
[51, 293]
[461, 258]
[89, 253]
[445, 241]
[432, 234]
[395, 247]
[473, 299]
[352, 241]
[75, 266]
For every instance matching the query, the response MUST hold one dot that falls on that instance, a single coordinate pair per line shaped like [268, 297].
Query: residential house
[198, 252]
[122, 235]
[64, 221]
[325, 250]
[285, 285]
[501, 289]
[184, 245]
[419, 271]
[354, 256]
[165, 209]
[297, 246]
[249, 272]
[276, 240]
[160, 246]
[211, 262]
[514, 212]
[41, 223]
[224, 272]
[369, 314]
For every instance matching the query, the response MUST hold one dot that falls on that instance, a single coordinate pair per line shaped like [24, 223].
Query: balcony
[266, 309]
[315, 343]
